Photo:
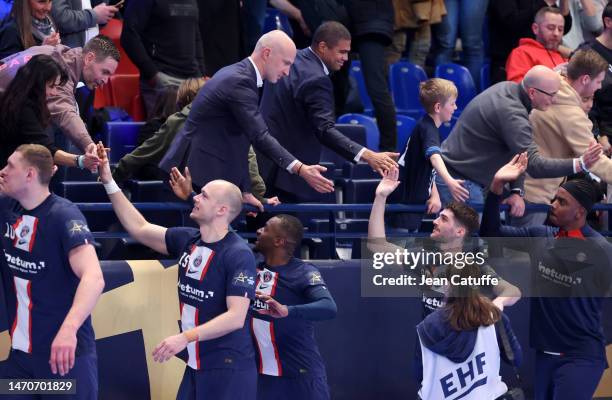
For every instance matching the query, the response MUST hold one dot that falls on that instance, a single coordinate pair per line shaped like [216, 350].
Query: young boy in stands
[438, 97]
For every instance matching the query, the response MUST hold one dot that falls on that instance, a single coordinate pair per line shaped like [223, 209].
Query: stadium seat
[122, 90]
[150, 191]
[462, 78]
[485, 77]
[359, 191]
[446, 128]
[404, 79]
[369, 123]
[276, 20]
[121, 138]
[358, 171]
[84, 192]
[357, 74]
[405, 125]
[356, 133]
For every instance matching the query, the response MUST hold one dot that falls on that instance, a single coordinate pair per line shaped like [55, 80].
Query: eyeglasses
[545, 92]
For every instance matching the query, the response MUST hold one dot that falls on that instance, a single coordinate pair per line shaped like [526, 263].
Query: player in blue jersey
[290, 295]
[51, 275]
[216, 284]
[566, 330]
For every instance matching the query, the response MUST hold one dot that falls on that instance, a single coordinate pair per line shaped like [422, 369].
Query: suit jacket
[299, 110]
[223, 122]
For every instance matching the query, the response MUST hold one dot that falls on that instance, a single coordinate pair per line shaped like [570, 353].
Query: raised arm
[377, 237]
[153, 236]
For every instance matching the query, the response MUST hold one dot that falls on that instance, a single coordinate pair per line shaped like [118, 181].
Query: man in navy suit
[225, 120]
[299, 110]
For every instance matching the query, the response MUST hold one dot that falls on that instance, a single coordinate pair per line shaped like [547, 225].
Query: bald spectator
[225, 119]
[543, 50]
[564, 130]
[494, 127]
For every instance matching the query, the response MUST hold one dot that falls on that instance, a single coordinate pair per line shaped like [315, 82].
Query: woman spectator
[463, 336]
[27, 25]
[24, 115]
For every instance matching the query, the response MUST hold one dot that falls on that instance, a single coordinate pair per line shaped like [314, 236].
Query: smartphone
[118, 4]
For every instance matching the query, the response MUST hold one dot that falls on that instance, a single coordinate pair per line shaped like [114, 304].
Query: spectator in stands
[565, 326]
[422, 151]
[464, 18]
[587, 23]
[24, 113]
[511, 20]
[412, 26]
[93, 64]
[77, 21]
[298, 109]
[291, 295]
[27, 25]
[166, 105]
[372, 29]
[467, 333]
[225, 120]
[564, 130]
[484, 138]
[543, 50]
[601, 113]
[163, 39]
[143, 160]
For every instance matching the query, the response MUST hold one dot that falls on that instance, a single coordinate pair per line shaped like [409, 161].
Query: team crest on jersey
[315, 277]
[25, 232]
[198, 262]
[267, 276]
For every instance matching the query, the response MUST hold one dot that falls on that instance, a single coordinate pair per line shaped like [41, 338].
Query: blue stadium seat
[359, 191]
[121, 138]
[462, 78]
[321, 248]
[276, 20]
[356, 133]
[404, 79]
[358, 171]
[5, 8]
[485, 76]
[369, 123]
[446, 128]
[84, 192]
[357, 74]
[405, 125]
[150, 191]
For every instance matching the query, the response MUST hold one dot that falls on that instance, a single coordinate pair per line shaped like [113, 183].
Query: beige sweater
[562, 131]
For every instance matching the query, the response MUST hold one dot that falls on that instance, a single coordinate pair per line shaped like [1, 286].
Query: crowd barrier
[368, 348]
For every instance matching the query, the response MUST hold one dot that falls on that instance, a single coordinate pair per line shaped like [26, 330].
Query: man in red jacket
[543, 50]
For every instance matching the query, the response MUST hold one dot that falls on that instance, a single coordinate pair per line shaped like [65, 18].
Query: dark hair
[292, 231]
[466, 308]
[40, 158]
[330, 32]
[465, 215]
[607, 13]
[545, 10]
[22, 13]
[585, 61]
[103, 47]
[29, 84]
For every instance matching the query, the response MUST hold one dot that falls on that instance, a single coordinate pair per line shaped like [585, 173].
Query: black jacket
[371, 18]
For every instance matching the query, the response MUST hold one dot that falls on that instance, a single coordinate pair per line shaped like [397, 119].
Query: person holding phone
[78, 20]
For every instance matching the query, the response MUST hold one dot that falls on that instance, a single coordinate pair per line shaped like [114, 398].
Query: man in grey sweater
[494, 127]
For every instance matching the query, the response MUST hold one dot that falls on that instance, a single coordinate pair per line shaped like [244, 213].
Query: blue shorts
[299, 388]
[566, 377]
[218, 384]
[22, 365]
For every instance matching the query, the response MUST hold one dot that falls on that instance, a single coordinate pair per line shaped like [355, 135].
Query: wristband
[583, 165]
[111, 187]
[80, 161]
[191, 335]
[298, 171]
